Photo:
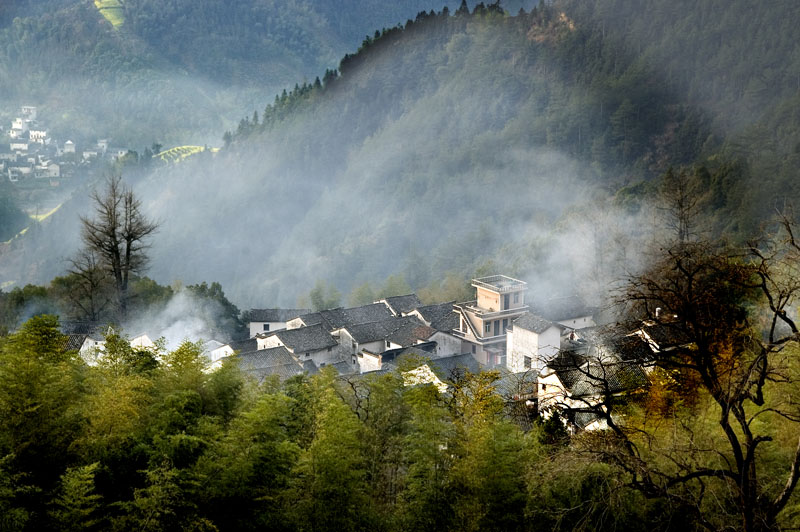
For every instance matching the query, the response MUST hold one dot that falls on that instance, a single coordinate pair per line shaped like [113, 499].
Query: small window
[266, 326]
[516, 297]
[488, 328]
[527, 362]
[388, 344]
[329, 349]
[473, 349]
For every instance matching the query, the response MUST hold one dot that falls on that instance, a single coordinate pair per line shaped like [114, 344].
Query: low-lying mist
[456, 147]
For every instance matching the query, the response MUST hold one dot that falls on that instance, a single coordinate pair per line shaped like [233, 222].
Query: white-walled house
[69, 147]
[142, 341]
[19, 146]
[39, 136]
[263, 320]
[215, 350]
[576, 387]
[307, 343]
[532, 342]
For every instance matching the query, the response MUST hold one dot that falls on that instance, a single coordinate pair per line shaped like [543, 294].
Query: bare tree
[679, 200]
[87, 288]
[732, 310]
[117, 235]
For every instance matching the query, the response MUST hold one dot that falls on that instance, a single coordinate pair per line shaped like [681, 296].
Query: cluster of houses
[31, 153]
[552, 357]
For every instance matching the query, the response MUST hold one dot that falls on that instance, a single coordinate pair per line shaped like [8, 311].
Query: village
[552, 356]
[32, 155]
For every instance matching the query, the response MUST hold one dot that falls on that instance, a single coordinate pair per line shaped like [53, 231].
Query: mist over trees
[398, 161]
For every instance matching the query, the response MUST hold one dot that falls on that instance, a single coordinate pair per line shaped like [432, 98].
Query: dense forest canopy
[171, 72]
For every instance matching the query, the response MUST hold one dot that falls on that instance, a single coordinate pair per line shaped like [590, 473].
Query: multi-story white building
[484, 321]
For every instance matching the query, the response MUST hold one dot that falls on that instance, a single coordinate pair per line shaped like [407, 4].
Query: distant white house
[39, 136]
[28, 112]
[19, 146]
[215, 350]
[272, 319]
[69, 147]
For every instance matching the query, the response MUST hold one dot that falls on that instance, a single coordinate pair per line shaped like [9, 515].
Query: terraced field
[112, 10]
[181, 152]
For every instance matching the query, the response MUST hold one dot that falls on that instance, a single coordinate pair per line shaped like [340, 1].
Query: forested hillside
[171, 71]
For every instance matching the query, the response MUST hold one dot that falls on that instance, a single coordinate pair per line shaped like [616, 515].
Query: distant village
[552, 356]
[32, 154]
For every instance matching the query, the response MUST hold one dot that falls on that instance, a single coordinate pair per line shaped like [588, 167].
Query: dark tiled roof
[366, 313]
[264, 358]
[73, 342]
[563, 308]
[440, 316]
[422, 350]
[666, 334]
[532, 322]
[266, 362]
[243, 346]
[276, 314]
[340, 317]
[516, 384]
[372, 332]
[594, 379]
[453, 367]
[343, 367]
[630, 347]
[405, 330]
[310, 367]
[306, 339]
[93, 329]
[400, 304]
[411, 331]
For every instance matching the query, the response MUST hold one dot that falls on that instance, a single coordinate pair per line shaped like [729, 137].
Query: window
[505, 325]
[266, 326]
[329, 349]
[488, 328]
[527, 363]
[516, 297]
[473, 349]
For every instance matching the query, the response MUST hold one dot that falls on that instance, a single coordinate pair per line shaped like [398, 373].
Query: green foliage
[395, 285]
[226, 315]
[362, 294]
[324, 296]
[76, 507]
[329, 490]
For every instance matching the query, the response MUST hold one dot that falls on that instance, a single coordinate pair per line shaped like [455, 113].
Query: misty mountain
[175, 71]
[530, 144]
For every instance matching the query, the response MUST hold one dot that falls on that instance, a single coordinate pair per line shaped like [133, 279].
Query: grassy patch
[181, 152]
[112, 11]
[40, 217]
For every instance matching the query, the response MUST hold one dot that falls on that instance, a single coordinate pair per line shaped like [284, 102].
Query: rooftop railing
[500, 283]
